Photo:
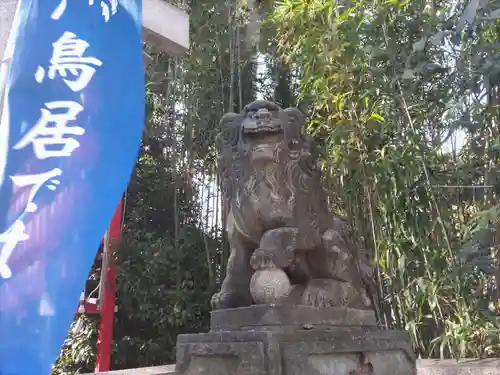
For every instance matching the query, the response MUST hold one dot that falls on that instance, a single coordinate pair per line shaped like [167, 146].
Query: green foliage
[78, 351]
[163, 286]
[152, 311]
[390, 82]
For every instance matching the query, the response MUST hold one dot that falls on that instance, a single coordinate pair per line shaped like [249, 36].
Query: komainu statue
[286, 247]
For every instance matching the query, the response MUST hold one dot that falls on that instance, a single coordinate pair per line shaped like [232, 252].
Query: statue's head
[262, 119]
[265, 141]
[262, 130]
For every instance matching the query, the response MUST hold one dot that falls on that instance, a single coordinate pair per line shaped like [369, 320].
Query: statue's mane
[295, 152]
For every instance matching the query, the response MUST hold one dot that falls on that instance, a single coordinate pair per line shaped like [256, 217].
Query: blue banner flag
[72, 105]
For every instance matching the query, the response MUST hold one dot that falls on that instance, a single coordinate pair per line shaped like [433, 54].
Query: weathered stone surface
[157, 370]
[451, 367]
[272, 316]
[383, 363]
[294, 340]
[278, 218]
[269, 285]
[424, 367]
[285, 351]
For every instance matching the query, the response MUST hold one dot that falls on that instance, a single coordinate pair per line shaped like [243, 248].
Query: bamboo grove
[403, 100]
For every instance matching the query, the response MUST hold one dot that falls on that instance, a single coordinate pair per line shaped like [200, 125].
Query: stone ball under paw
[269, 285]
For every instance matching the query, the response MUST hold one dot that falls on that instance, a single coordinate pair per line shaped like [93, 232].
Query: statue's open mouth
[262, 129]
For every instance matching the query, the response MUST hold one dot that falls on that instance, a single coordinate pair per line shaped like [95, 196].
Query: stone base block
[286, 316]
[260, 347]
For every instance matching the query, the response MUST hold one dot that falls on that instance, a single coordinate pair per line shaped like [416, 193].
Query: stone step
[157, 370]
[489, 366]
[424, 367]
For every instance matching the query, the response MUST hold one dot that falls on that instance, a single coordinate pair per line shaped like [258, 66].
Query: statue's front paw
[221, 300]
[229, 299]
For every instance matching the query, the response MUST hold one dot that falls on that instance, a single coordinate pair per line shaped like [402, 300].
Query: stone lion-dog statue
[285, 245]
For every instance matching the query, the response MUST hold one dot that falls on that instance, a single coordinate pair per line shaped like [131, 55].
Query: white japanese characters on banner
[52, 136]
[109, 8]
[53, 128]
[68, 60]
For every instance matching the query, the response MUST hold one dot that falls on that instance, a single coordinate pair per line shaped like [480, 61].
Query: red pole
[105, 339]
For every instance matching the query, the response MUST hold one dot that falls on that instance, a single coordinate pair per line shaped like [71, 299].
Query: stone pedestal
[294, 340]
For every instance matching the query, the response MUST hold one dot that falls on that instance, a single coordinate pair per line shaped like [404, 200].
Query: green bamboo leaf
[377, 117]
